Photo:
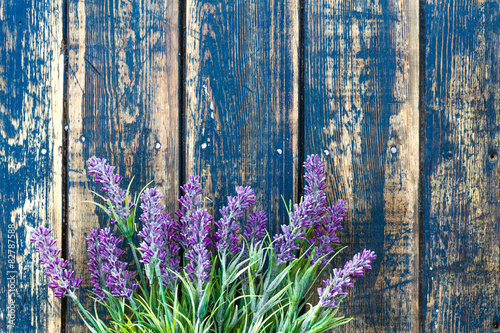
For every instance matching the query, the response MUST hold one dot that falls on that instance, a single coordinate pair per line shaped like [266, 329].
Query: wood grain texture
[242, 75]
[361, 114]
[462, 190]
[31, 95]
[123, 106]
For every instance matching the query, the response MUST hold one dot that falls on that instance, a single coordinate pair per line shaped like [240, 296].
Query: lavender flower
[314, 175]
[107, 272]
[313, 215]
[225, 236]
[117, 196]
[62, 279]
[188, 204]
[307, 214]
[160, 247]
[255, 230]
[325, 233]
[194, 228]
[315, 179]
[343, 278]
[287, 242]
[199, 264]
[95, 263]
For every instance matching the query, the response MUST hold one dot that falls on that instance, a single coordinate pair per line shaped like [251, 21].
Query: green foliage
[243, 296]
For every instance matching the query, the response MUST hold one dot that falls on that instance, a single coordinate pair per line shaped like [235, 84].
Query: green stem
[306, 325]
[221, 311]
[291, 313]
[85, 312]
[167, 316]
[144, 286]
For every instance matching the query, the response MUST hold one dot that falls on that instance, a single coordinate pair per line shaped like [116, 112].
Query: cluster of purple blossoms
[289, 241]
[255, 230]
[189, 203]
[194, 226]
[335, 287]
[160, 233]
[62, 279]
[325, 234]
[316, 183]
[226, 235]
[107, 272]
[199, 264]
[313, 215]
[110, 184]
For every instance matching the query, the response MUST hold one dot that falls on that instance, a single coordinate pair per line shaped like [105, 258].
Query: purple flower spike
[160, 233]
[333, 221]
[199, 264]
[343, 278]
[314, 175]
[326, 232]
[315, 178]
[194, 227]
[311, 220]
[255, 229]
[151, 205]
[307, 214]
[287, 242]
[226, 237]
[107, 272]
[105, 175]
[188, 204]
[95, 263]
[62, 279]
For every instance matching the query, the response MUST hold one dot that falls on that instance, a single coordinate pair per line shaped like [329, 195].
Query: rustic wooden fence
[400, 97]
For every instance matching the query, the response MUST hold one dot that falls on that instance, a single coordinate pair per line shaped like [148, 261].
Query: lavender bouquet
[190, 279]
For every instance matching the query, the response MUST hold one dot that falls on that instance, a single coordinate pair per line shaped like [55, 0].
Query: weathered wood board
[31, 95]
[361, 113]
[462, 190]
[242, 97]
[123, 106]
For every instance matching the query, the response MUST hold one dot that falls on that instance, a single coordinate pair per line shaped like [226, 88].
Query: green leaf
[97, 194]
[264, 307]
[277, 280]
[142, 190]
[98, 205]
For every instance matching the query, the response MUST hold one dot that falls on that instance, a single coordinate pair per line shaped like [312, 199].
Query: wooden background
[400, 97]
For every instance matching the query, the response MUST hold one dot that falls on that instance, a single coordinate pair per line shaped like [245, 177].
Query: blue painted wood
[461, 284]
[30, 168]
[361, 115]
[123, 106]
[242, 101]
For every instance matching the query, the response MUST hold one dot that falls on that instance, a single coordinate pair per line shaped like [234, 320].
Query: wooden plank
[462, 190]
[123, 88]
[361, 114]
[31, 95]
[242, 100]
